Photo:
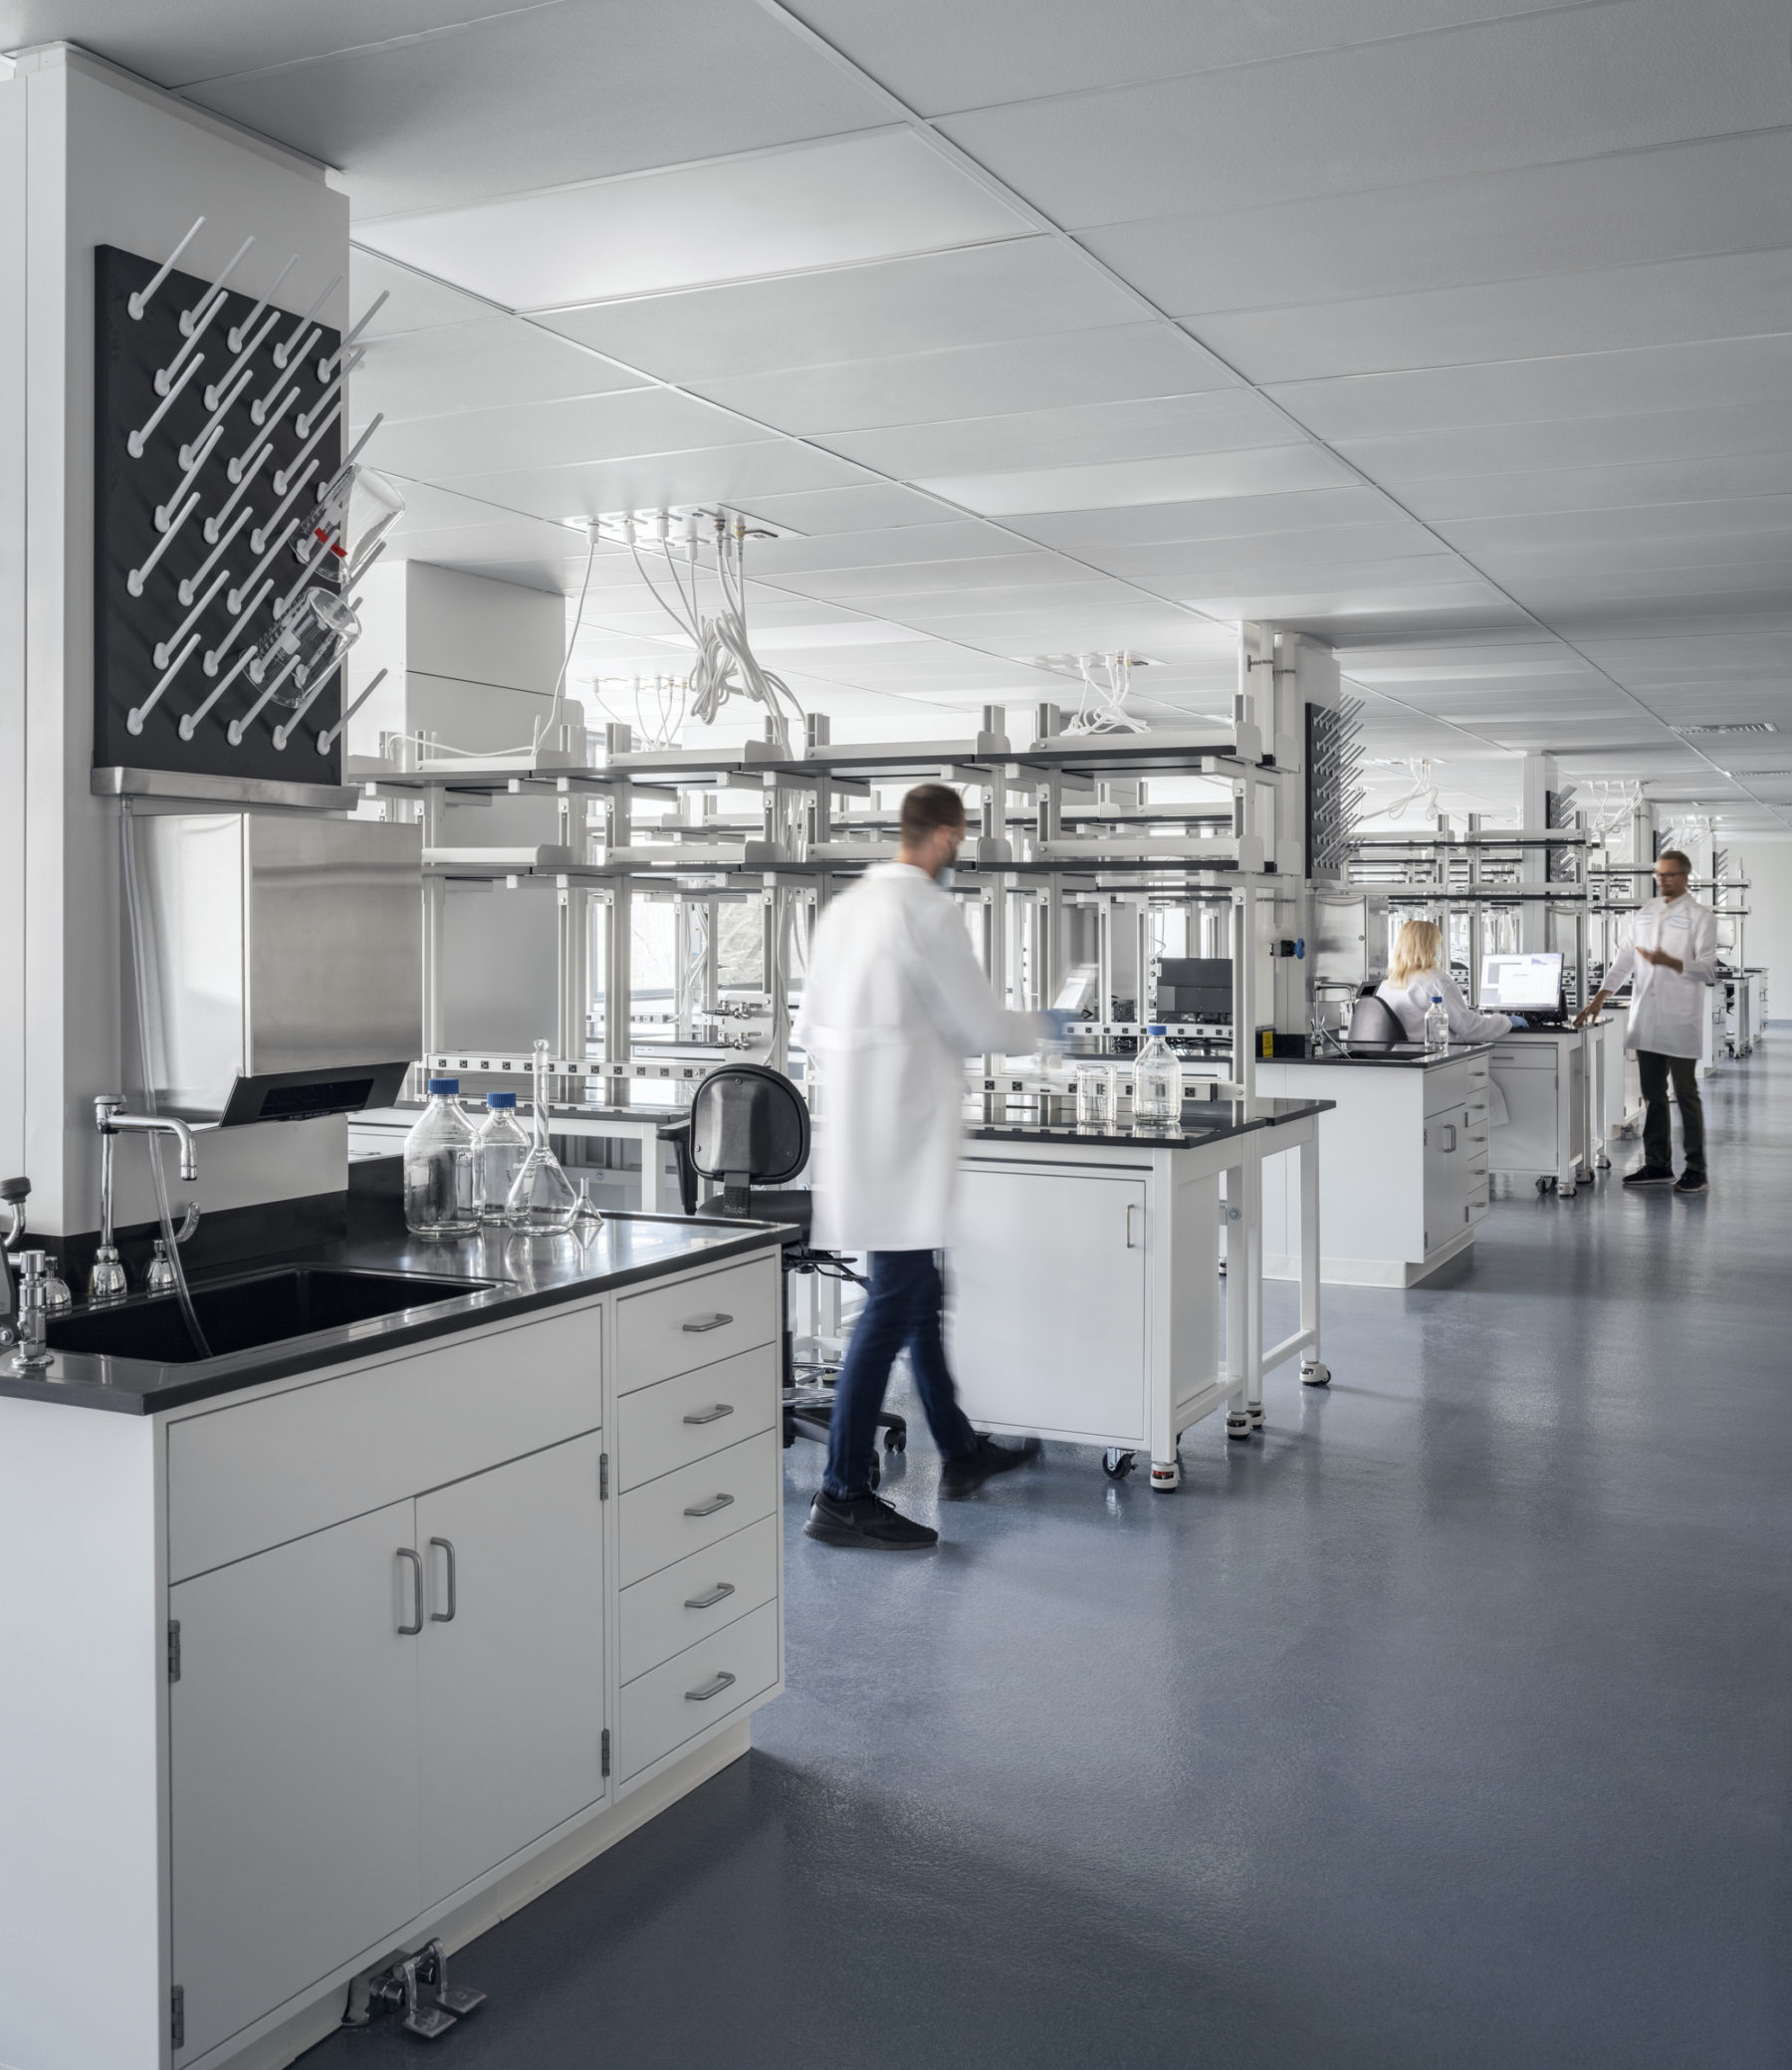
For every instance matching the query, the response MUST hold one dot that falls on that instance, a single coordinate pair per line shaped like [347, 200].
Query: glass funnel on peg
[543, 1200]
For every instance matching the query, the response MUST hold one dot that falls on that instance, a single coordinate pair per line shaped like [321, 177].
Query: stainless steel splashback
[285, 954]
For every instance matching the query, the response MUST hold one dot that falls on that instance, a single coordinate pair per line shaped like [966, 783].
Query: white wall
[1768, 940]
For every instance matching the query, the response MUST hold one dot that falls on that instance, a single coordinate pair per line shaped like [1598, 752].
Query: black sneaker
[865, 1520]
[1649, 1175]
[964, 1477]
[1692, 1182]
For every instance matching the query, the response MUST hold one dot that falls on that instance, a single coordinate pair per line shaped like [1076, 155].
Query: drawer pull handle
[714, 1415]
[447, 1616]
[715, 1595]
[709, 1509]
[705, 1323]
[410, 1631]
[723, 1680]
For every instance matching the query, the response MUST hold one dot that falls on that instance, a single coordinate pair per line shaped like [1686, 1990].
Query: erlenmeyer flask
[543, 1200]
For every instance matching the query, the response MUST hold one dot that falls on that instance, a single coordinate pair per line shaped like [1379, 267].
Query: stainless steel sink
[257, 1308]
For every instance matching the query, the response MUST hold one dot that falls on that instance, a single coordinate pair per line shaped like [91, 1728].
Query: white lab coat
[893, 1003]
[1412, 1000]
[1666, 1006]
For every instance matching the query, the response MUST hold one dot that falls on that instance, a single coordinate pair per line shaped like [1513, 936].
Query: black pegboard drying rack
[175, 614]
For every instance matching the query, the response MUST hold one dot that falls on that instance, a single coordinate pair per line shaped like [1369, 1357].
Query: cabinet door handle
[1131, 1209]
[446, 1616]
[714, 1415]
[1449, 1131]
[722, 1590]
[410, 1631]
[709, 1509]
[698, 1325]
[723, 1680]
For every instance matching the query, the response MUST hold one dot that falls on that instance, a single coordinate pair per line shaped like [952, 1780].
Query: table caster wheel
[1313, 1374]
[1166, 1473]
[1256, 1417]
[1115, 1463]
[1565, 1192]
[1237, 1423]
[1543, 1185]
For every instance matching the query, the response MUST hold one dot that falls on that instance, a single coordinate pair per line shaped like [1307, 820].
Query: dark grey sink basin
[257, 1308]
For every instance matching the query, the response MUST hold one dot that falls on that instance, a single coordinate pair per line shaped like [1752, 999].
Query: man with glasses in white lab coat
[1670, 959]
[893, 1003]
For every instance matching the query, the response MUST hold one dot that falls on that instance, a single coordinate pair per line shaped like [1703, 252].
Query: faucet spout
[110, 1119]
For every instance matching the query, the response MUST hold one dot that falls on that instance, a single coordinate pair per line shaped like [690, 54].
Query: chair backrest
[750, 1126]
[1372, 1020]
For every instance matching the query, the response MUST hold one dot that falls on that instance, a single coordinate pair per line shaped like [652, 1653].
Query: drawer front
[1445, 1087]
[690, 1510]
[674, 1422]
[1477, 1070]
[708, 1682]
[255, 1474]
[697, 1596]
[695, 1323]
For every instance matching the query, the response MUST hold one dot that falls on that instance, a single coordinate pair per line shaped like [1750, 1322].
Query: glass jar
[438, 1167]
[499, 1149]
[1097, 1098]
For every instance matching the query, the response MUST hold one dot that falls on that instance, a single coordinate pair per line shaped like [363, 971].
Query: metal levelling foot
[1255, 1412]
[416, 1988]
[1237, 1423]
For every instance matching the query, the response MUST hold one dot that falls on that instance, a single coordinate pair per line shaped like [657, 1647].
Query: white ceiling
[1457, 332]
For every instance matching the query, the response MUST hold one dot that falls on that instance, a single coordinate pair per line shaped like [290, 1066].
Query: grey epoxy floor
[1448, 1724]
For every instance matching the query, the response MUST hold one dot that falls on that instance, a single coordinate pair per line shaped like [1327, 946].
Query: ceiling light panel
[835, 203]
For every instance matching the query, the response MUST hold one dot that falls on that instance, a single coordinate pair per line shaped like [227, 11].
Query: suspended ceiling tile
[1567, 85]
[1338, 548]
[1135, 431]
[870, 506]
[1677, 300]
[1714, 195]
[1414, 599]
[548, 434]
[1594, 488]
[1267, 470]
[885, 548]
[837, 201]
[1113, 363]
[413, 302]
[1024, 289]
[727, 473]
[1679, 525]
[1591, 384]
[976, 572]
[459, 366]
[1650, 560]
[542, 96]
[1216, 518]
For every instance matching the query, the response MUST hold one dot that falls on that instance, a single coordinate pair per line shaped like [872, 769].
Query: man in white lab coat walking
[893, 1003]
[1670, 957]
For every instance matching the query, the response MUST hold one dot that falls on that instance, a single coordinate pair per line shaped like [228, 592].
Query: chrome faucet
[34, 1352]
[107, 1280]
[13, 1193]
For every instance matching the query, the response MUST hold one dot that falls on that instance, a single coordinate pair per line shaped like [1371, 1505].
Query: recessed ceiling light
[1727, 726]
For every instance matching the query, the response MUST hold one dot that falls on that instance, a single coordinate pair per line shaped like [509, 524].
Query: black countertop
[1405, 1057]
[1203, 1121]
[530, 1273]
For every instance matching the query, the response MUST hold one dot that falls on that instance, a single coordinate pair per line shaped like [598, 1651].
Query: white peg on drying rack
[235, 337]
[140, 300]
[261, 567]
[302, 422]
[243, 616]
[319, 555]
[164, 378]
[164, 511]
[244, 354]
[166, 648]
[235, 731]
[133, 719]
[258, 408]
[259, 538]
[136, 443]
[238, 466]
[135, 580]
[202, 311]
[282, 353]
[195, 718]
[367, 316]
[327, 739]
[296, 466]
[190, 588]
[283, 734]
[213, 522]
[223, 405]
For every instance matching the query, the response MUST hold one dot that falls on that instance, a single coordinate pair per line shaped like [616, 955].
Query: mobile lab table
[1083, 1285]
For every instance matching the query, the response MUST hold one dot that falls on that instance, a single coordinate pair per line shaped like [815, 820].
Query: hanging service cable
[141, 979]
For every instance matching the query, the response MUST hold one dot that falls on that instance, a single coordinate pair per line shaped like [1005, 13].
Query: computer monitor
[1522, 983]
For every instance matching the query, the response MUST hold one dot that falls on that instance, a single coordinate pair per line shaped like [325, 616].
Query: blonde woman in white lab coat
[1417, 976]
[1670, 959]
[893, 1003]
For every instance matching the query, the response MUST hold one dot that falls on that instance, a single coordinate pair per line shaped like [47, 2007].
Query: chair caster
[1565, 1189]
[1237, 1423]
[1166, 1473]
[1313, 1374]
[1115, 1463]
[895, 1441]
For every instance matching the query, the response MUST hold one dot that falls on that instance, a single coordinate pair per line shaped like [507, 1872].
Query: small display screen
[1530, 983]
[298, 1102]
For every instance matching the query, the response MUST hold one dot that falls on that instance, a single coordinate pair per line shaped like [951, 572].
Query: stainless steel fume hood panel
[286, 956]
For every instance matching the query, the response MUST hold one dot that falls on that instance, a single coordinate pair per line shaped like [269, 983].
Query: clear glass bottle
[1436, 1024]
[1157, 1086]
[543, 1200]
[1096, 1096]
[499, 1149]
[438, 1167]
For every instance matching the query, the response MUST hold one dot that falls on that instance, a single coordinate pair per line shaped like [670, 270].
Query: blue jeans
[901, 1311]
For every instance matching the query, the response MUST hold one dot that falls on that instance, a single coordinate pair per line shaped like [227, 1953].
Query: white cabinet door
[511, 1659]
[1045, 1304]
[1445, 1177]
[293, 1768]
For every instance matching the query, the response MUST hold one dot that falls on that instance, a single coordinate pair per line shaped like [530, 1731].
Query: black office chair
[748, 1127]
[1372, 1020]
